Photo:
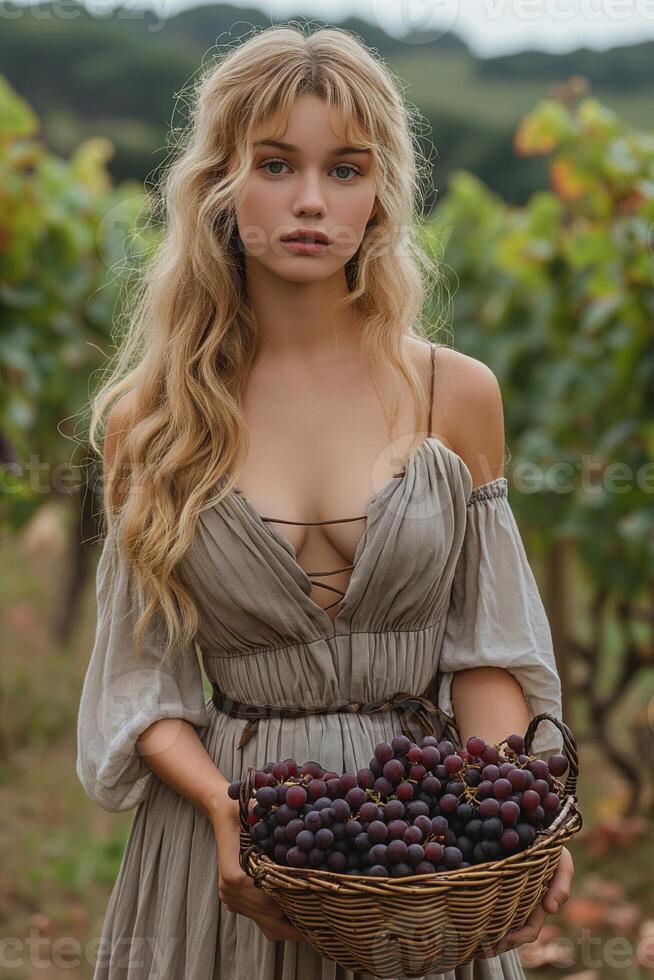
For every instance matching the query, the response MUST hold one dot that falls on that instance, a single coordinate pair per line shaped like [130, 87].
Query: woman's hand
[556, 895]
[237, 889]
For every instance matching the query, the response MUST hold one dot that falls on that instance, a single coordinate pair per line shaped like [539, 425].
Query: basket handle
[569, 747]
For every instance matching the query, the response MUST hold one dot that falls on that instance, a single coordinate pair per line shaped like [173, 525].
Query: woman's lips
[305, 247]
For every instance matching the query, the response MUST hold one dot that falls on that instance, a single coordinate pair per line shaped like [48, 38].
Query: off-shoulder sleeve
[122, 695]
[496, 617]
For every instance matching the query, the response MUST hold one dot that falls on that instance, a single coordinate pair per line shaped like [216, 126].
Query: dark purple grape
[397, 850]
[296, 858]
[293, 828]
[434, 852]
[366, 778]
[383, 786]
[541, 786]
[473, 829]
[557, 764]
[405, 791]
[345, 782]
[452, 858]
[415, 854]
[518, 779]
[313, 769]
[551, 803]
[305, 840]
[417, 772]
[430, 756]
[280, 835]
[266, 796]
[393, 810]
[424, 868]
[397, 828]
[453, 763]
[336, 861]
[526, 833]
[530, 799]
[400, 744]
[316, 857]
[449, 803]
[296, 796]
[416, 808]
[394, 770]
[369, 811]
[485, 789]
[535, 816]
[384, 752]
[317, 789]
[234, 789]
[490, 773]
[424, 824]
[491, 828]
[379, 854]
[332, 788]
[341, 809]
[259, 830]
[516, 743]
[377, 831]
[475, 745]
[362, 842]
[413, 835]
[338, 829]
[439, 825]
[280, 771]
[286, 813]
[279, 853]
[501, 788]
[509, 812]
[353, 827]
[509, 840]
[490, 754]
[356, 797]
[431, 786]
[377, 871]
[324, 838]
[401, 870]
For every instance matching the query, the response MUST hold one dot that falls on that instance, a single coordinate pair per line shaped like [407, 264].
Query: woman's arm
[489, 702]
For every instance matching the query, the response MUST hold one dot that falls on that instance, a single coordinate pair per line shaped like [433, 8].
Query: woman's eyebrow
[291, 148]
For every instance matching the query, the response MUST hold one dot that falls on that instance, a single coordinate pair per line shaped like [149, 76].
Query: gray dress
[440, 583]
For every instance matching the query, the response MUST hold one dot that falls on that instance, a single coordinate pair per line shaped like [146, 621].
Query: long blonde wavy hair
[192, 333]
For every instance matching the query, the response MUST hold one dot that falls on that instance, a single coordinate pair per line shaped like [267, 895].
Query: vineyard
[557, 297]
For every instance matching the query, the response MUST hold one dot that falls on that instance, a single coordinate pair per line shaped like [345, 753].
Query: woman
[326, 576]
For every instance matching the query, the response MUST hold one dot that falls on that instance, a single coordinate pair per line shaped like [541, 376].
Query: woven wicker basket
[418, 924]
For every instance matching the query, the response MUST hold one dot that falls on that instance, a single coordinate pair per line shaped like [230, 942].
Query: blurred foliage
[63, 234]
[558, 298]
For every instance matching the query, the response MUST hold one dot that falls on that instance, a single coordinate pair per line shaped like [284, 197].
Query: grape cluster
[415, 810]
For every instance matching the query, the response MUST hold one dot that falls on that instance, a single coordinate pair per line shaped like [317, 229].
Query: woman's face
[309, 183]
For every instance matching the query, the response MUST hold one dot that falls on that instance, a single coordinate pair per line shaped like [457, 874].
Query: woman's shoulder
[467, 409]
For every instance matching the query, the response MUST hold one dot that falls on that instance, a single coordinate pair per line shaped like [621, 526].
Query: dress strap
[431, 392]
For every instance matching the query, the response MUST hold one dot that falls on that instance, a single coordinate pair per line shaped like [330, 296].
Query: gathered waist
[431, 719]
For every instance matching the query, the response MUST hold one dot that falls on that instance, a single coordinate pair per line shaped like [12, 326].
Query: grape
[452, 857]
[399, 744]
[384, 752]
[397, 850]
[234, 789]
[415, 853]
[305, 840]
[378, 831]
[516, 743]
[296, 858]
[417, 809]
[324, 838]
[475, 745]
[394, 770]
[365, 778]
[369, 811]
[346, 782]
[296, 796]
[557, 764]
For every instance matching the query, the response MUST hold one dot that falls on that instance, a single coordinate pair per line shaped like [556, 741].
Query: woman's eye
[282, 163]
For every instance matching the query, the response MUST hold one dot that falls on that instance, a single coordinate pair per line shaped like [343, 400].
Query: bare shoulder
[467, 411]
[118, 424]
